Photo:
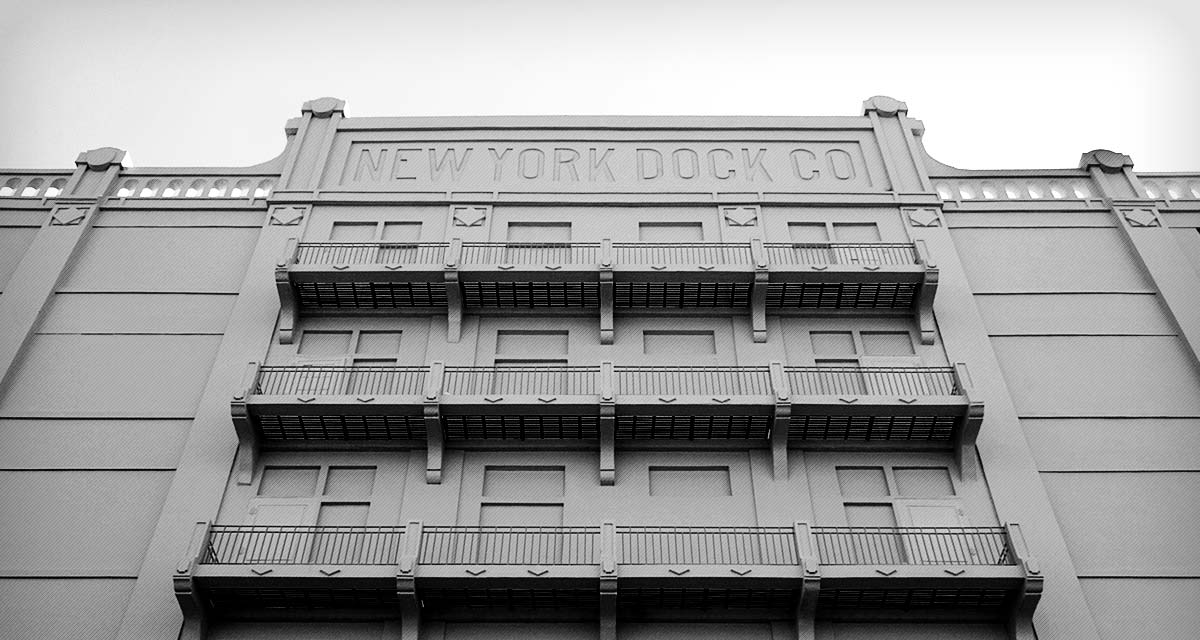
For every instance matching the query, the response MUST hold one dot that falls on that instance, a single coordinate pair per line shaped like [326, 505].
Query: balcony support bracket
[924, 302]
[435, 443]
[247, 452]
[608, 581]
[964, 439]
[758, 291]
[195, 616]
[454, 297]
[406, 585]
[1020, 621]
[289, 307]
[606, 291]
[783, 418]
[810, 581]
[608, 426]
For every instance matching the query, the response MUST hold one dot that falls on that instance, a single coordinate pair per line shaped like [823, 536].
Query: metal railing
[329, 380]
[521, 380]
[442, 545]
[841, 253]
[329, 545]
[539, 253]
[889, 381]
[433, 253]
[692, 381]
[913, 546]
[713, 253]
[707, 545]
[555, 379]
[589, 253]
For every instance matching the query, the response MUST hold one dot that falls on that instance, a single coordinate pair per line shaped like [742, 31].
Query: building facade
[460, 378]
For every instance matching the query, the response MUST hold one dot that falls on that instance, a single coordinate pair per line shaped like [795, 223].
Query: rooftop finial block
[100, 159]
[324, 107]
[1108, 161]
[884, 106]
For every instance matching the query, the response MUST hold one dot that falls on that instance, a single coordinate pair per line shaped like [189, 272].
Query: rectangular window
[527, 483]
[323, 344]
[690, 482]
[683, 345]
[288, 482]
[671, 232]
[887, 343]
[808, 232]
[531, 343]
[924, 482]
[856, 232]
[832, 343]
[350, 482]
[401, 232]
[862, 482]
[379, 342]
[539, 232]
[353, 232]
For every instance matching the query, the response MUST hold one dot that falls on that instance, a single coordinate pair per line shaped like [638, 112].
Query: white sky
[1019, 84]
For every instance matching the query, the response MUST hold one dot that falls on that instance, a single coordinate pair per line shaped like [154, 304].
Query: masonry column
[204, 466]
[50, 255]
[1011, 474]
[1151, 241]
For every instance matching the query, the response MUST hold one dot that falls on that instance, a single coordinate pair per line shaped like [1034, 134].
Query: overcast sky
[1018, 84]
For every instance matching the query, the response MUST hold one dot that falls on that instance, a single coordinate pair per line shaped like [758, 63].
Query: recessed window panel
[923, 482]
[833, 343]
[887, 343]
[324, 343]
[350, 482]
[401, 231]
[379, 342]
[671, 232]
[862, 482]
[288, 482]
[855, 232]
[682, 344]
[807, 232]
[352, 232]
[528, 483]
[531, 344]
[690, 482]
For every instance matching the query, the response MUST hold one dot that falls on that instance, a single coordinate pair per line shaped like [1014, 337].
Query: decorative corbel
[810, 581]
[1020, 621]
[435, 443]
[454, 297]
[608, 425]
[406, 584]
[758, 290]
[289, 307]
[964, 439]
[927, 290]
[606, 291]
[783, 418]
[247, 453]
[195, 618]
[608, 581]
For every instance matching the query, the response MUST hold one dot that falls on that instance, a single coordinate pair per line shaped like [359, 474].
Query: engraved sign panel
[608, 165]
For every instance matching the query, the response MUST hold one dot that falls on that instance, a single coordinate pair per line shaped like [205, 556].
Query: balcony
[459, 277]
[799, 407]
[974, 573]
[610, 570]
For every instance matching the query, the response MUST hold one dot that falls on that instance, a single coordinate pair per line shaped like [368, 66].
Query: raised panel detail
[690, 482]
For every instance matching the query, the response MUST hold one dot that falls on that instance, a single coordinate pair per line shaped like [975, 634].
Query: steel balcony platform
[323, 407]
[459, 277]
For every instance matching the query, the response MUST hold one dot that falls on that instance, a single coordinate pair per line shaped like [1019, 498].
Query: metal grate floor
[513, 427]
[684, 427]
[333, 427]
[840, 295]
[371, 295]
[871, 428]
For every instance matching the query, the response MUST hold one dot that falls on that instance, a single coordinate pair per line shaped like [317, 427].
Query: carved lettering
[595, 164]
[650, 164]
[724, 172]
[687, 163]
[436, 167]
[804, 164]
[373, 164]
[400, 165]
[498, 162]
[840, 163]
[754, 165]
[524, 164]
[565, 158]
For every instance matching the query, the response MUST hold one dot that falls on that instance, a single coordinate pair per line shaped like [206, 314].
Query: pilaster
[52, 252]
[1154, 245]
